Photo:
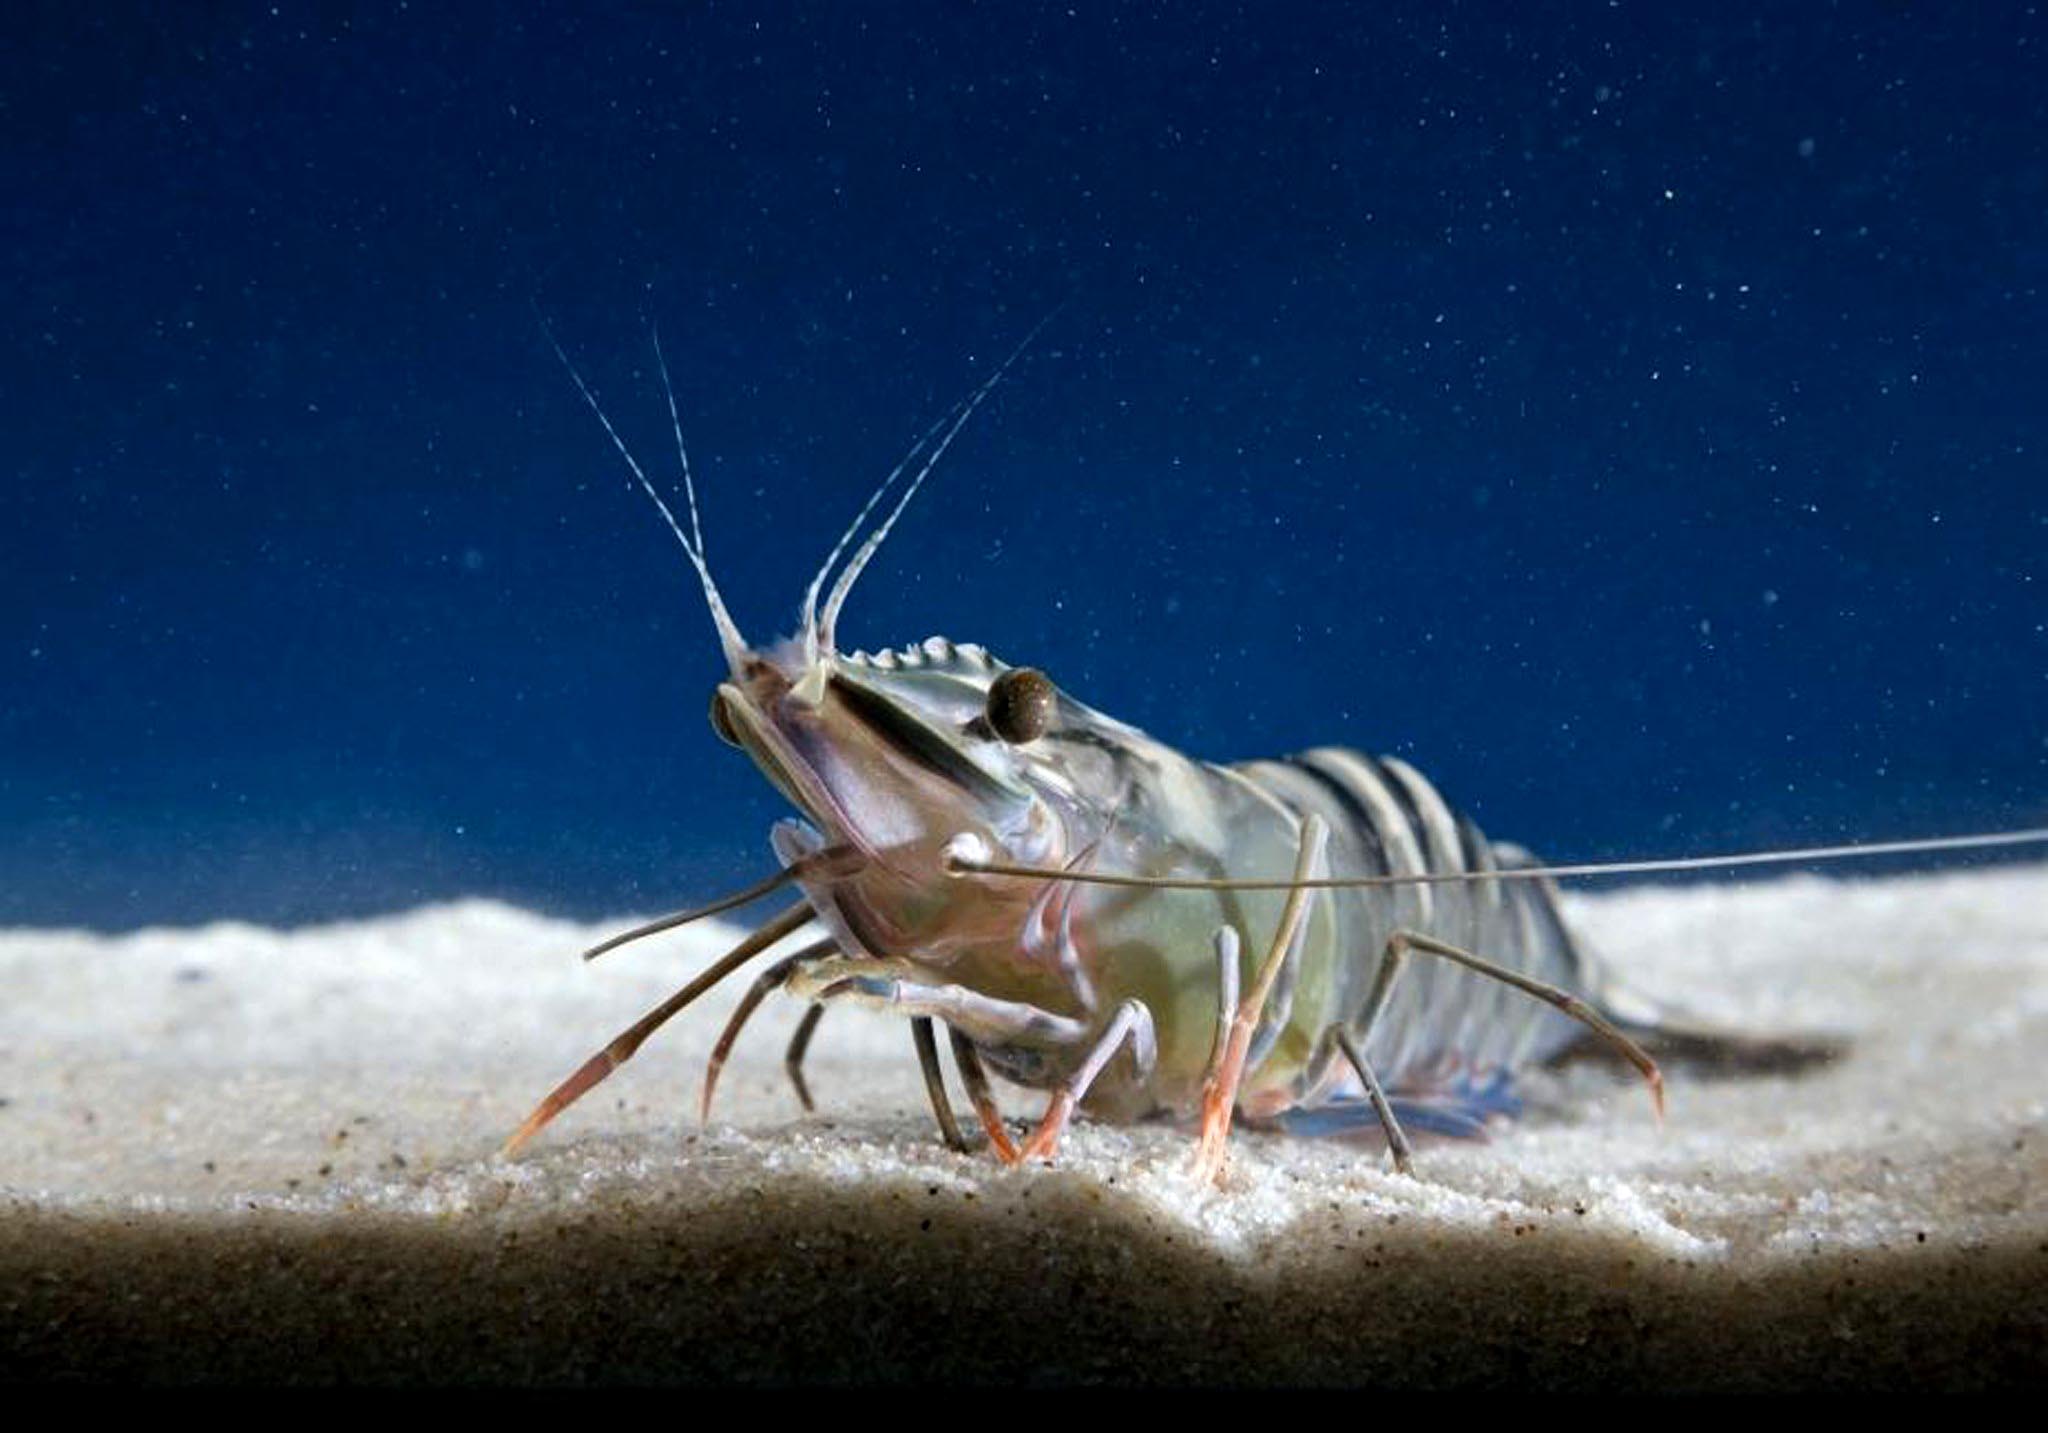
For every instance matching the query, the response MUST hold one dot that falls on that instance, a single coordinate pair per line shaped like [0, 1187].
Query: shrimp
[976, 848]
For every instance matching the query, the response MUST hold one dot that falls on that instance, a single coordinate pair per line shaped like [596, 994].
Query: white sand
[241, 1153]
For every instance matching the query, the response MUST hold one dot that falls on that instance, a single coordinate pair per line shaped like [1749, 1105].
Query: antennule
[821, 633]
[810, 608]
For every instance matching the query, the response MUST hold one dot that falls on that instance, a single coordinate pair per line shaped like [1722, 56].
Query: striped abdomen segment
[1444, 1025]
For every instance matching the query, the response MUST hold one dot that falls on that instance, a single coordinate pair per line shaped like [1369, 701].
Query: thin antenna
[810, 610]
[728, 632]
[963, 858]
[827, 624]
[682, 453]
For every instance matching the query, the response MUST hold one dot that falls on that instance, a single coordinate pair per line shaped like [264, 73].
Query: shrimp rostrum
[1318, 943]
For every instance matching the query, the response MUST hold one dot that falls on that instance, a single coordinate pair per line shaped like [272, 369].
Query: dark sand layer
[242, 1154]
[1053, 1285]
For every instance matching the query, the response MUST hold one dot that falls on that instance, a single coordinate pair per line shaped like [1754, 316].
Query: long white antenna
[729, 636]
[967, 856]
[810, 609]
[829, 621]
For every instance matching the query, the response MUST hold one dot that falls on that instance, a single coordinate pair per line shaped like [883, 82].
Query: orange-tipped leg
[1045, 1140]
[1404, 942]
[1219, 1092]
[565, 1094]
[968, 1060]
[621, 1049]
[1218, 1101]
[1132, 1022]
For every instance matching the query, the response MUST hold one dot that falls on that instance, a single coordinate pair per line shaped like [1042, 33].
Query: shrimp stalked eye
[1021, 704]
[720, 722]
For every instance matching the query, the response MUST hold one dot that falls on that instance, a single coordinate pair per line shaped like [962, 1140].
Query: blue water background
[1633, 415]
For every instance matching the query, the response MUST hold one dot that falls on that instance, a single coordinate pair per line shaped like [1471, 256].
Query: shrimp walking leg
[1397, 1139]
[1219, 1094]
[773, 978]
[1132, 1022]
[1227, 950]
[996, 1022]
[976, 1079]
[984, 1018]
[793, 1057]
[621, 1049]
[935, 1085]
[1402, 942]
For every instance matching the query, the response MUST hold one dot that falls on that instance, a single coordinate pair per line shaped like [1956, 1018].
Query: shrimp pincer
[1319, 942]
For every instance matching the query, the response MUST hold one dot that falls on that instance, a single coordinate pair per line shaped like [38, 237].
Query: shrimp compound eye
[720, 722]
[1021, 704]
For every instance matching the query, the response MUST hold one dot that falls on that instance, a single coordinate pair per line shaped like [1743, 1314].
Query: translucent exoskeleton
[1319, 942]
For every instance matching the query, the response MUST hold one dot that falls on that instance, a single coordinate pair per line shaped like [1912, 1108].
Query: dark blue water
[1633, 415]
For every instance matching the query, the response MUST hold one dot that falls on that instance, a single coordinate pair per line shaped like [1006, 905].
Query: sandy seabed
[240, 1154]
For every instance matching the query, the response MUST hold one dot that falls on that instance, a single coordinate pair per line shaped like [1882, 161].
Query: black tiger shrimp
[1067, 895]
